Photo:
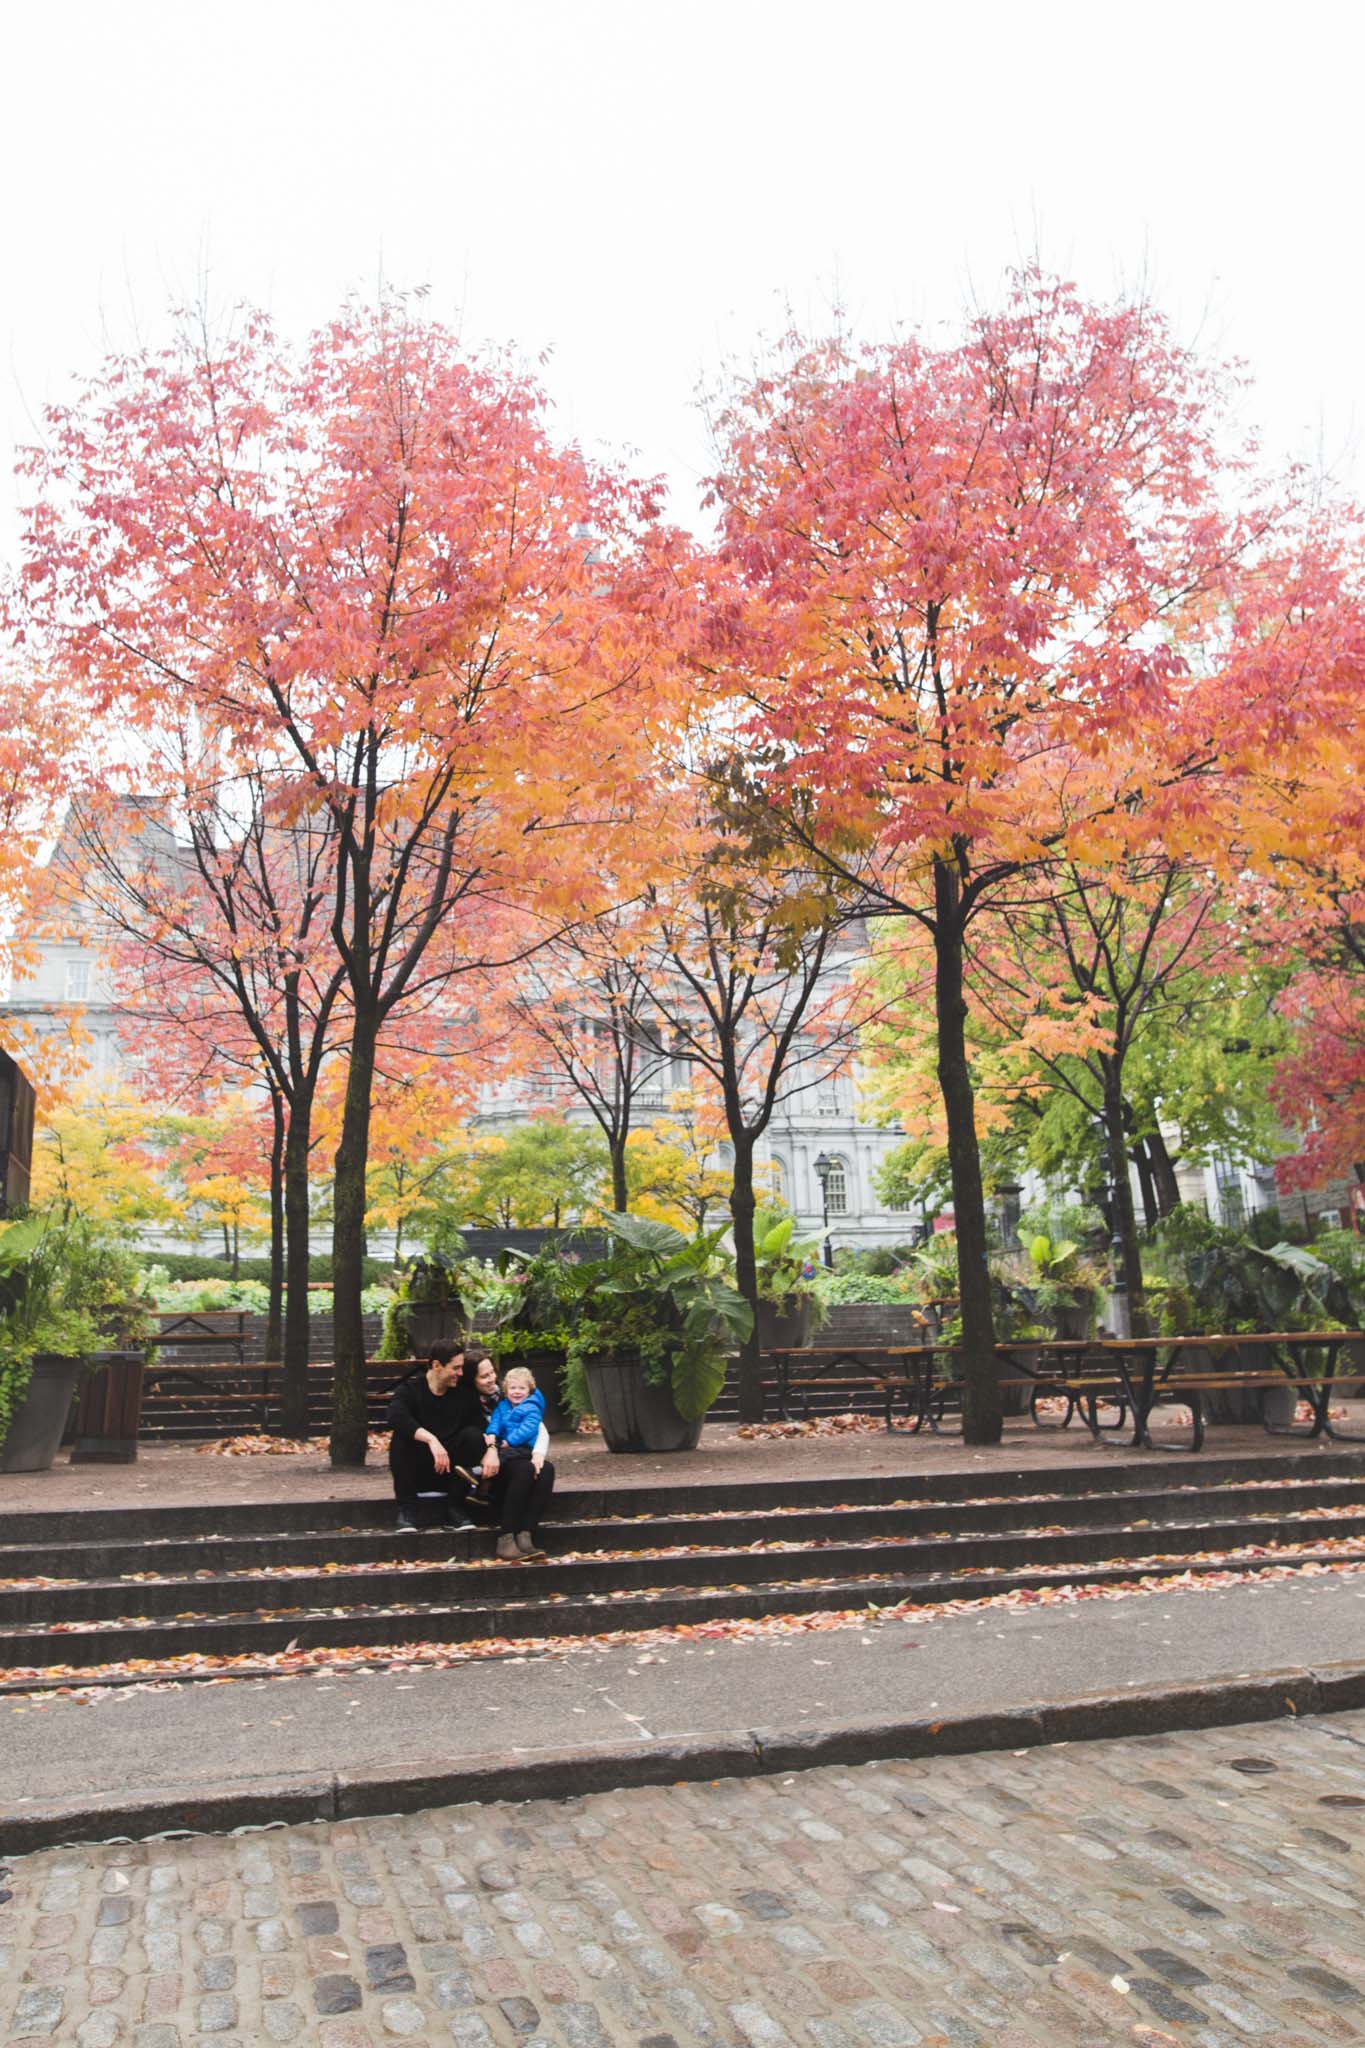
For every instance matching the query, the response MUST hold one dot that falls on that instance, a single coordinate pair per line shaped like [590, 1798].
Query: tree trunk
[1163, 1173]
[981, 1414]
[294, 1379]
[1125, 1216]
[620, 1195]
[742, 1206]
[350, 1414]
[274, 1314]
[236, 1251]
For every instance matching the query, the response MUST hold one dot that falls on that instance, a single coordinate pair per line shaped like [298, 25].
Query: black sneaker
[470, 1477]
[405, 1525]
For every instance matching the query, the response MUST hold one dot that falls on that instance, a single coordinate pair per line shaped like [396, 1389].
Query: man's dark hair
[442, 1354]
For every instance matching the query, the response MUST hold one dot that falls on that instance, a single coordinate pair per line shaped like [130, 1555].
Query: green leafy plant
[665, 1299]
[934, 1265]
[1220, 1281]
[65, 1288]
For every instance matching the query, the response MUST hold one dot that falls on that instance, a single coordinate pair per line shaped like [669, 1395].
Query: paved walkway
[1200, 1889]
[280, 1738]
[178, 1475]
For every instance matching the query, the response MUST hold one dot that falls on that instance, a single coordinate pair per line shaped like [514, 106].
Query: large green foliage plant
[664, 1299]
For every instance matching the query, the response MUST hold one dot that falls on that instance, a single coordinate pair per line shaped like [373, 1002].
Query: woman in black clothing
[436, 1417]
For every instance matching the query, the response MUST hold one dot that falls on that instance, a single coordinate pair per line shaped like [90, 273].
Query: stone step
[704, 1530]
[468, 1571]
[531, 1612]
[1106, 1475]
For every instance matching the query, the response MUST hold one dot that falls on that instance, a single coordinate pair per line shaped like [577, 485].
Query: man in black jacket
[436, 1420]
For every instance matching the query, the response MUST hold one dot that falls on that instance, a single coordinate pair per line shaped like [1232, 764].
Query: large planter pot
[1350, 1383]
[1236, 1404]
[1021, 1362]
[635, 1416]
[548, 1369]
[785, 1325]
[1072, 1321]
[36, 1426]
[434, 1323]
[109, 1409]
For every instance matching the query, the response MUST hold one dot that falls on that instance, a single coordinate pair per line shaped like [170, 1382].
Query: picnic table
[1135, 1375]
[201, 1329]
[1119, 1378]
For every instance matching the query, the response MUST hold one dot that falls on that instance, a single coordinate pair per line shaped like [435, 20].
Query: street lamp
[824, 1167]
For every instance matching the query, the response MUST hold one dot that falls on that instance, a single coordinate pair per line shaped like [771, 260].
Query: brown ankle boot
[507, 1551]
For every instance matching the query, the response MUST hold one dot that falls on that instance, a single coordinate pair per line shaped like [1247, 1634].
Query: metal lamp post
[824, 1166]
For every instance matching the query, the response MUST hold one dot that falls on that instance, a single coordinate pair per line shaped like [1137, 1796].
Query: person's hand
[489, 1467]
[440, 1456]
[537, 1460]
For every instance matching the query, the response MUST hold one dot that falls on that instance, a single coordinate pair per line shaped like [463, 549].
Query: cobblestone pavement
[1200, 1888]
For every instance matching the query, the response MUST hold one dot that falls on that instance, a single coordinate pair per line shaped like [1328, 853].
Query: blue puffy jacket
[517, 1422]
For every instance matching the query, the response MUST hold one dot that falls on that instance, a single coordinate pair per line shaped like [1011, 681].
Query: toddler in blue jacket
[517, 1420]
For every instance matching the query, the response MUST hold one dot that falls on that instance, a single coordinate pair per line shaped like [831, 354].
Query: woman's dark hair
[474, 1357]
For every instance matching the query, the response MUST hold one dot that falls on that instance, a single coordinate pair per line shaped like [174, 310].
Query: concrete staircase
[169, 1586]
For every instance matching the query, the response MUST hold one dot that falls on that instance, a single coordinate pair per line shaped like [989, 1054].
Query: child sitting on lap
[516, 1465]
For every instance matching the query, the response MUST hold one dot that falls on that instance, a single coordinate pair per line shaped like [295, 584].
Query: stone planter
[36, 1427]
[1023, 1358]
[1350, 1383]
[108, 1409]
[434, 1323]
[635, 1416]
[1073, 1321]
[785, 1325]
[1241, 1404]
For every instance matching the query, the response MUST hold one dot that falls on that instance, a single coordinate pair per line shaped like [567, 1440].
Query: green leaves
[668, 1298]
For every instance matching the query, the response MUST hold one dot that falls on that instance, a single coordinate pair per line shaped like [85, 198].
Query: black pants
[414, 1470]
[521, 1494]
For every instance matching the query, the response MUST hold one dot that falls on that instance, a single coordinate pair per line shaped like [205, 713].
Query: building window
[778, 1171]
[836, 1188]
[77, 981]
[1231, 1199]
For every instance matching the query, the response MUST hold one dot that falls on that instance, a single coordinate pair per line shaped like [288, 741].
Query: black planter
[36, 1427]
[635, 1416]
[1074, 1320]
[434, 1323]
[785, 1325]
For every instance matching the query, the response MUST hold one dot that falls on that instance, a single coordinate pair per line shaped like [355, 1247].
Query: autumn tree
[217, 937]
[943, 562]
[584, 1031]
[750, 992]
[364, 566]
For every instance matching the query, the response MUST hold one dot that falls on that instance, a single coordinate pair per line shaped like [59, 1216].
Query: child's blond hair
[519, 1372]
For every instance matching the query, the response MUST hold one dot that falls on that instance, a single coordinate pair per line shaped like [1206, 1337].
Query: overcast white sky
[642, 188]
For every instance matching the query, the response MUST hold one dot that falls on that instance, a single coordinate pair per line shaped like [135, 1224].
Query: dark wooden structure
[17, 1103]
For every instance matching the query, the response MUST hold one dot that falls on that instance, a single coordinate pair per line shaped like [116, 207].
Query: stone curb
[760, 1752]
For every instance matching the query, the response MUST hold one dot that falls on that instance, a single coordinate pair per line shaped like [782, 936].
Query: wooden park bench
[218, 1391]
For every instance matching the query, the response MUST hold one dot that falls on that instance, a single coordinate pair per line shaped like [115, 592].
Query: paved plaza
[1201, 1888]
